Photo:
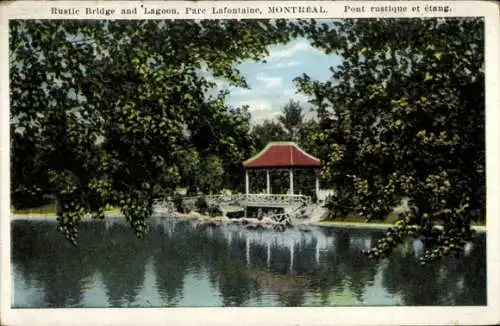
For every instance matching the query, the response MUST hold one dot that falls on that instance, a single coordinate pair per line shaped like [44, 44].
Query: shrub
[341, 204]
[201, 205]
[177, 200]
[214, 210]
[236, 214]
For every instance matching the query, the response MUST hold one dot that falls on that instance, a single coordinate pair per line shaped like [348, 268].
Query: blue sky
[271, 83]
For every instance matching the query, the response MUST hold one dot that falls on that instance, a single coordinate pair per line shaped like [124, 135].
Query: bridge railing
[261, 198]
[278, 199]
[251, 198]
[167, 206]
[163, 206]
[286, 218]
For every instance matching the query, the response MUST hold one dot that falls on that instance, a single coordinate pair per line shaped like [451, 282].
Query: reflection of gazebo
[280, 155]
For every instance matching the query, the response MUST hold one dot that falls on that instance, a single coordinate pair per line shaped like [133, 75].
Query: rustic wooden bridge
[294, 205]
[256, 200]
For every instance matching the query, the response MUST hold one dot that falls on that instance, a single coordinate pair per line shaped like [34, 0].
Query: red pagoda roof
[282, 154]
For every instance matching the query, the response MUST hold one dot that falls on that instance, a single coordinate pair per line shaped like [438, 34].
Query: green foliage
[214, 211]
[403, 116]
[178, 203]
[291, 118]
[235, 214]
[265, 132]
[342, 204]
[201, 205]
[280, 182]
[211, 175]
[289, 126]
[111, 112]
[118, 113]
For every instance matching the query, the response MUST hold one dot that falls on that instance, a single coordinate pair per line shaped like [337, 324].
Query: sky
[271, 83]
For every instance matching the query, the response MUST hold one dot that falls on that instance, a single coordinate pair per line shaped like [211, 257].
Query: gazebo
[280, 155]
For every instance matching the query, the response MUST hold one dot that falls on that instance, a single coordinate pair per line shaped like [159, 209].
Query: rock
[179, 215]
[195, 215]
[267, 220]
[224, 219]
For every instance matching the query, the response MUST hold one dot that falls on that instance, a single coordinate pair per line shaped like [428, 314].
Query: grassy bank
[49, 210]
[337, 223]
[45, 210]
[359, 224]
[378, 224]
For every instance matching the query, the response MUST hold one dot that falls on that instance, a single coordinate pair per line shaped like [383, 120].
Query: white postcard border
[264, 316]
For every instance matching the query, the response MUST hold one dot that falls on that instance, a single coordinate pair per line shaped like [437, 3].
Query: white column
[291, 181]
[317, 185]
[292, 249]
[247, 183]
[268, 182]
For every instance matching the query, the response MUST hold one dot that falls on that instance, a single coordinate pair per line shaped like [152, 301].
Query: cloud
[269, 81]
[259, 116]
[239, 90]
[261, 106]
[285, 64]
[259, 109]
[294, 95]
[278, 54]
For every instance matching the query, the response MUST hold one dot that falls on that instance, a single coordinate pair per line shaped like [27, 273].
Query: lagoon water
[180, 264]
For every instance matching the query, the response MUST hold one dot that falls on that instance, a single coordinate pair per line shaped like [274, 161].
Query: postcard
[271, 163]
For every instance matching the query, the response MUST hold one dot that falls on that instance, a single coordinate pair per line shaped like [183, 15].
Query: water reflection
[181, 264]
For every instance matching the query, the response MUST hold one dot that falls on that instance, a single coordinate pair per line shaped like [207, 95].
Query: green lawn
[376, 224]
[50, 210]
[45, 210]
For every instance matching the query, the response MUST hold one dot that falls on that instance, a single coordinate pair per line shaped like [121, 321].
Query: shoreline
[212, 220]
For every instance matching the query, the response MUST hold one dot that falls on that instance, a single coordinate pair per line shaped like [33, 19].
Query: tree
[110, 112]
[222, 132]
[267, 131]
[291, 119]
[212, 175]
[107, 109]
[408, 122]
